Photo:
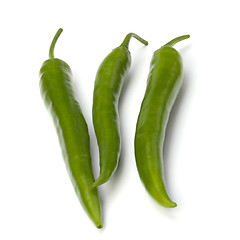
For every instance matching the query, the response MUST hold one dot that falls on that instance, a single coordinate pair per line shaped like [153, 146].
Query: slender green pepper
[164, 82]
[59, 97]
[107, 89]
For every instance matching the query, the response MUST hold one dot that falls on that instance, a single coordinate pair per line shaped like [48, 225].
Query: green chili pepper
[59, 97]
[107, 89]
[164, 82]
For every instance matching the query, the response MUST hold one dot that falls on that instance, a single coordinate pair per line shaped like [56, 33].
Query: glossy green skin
[108, 85]
[58, 95]
[164, 82]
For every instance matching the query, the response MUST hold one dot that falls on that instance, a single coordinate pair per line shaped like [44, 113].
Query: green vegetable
[59, 97]
[108, 85]
[164, 81]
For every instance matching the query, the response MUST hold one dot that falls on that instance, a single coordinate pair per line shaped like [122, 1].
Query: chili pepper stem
[176, 40]
[51, 50]
[126, 40]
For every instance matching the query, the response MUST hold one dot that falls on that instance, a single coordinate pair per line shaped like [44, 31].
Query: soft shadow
[169, 213]
[129, 79]
[170, 130]
[184, 49]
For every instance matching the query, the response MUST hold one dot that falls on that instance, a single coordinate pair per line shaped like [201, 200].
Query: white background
[202, 157]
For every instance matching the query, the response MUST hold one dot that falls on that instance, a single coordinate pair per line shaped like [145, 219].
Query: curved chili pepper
[107, 89]
[164, 81]
[59, 97]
